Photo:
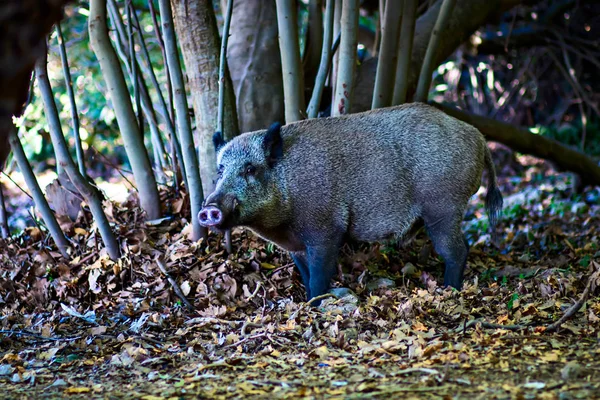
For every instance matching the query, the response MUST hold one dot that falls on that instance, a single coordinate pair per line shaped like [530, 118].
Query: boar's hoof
[210, 216]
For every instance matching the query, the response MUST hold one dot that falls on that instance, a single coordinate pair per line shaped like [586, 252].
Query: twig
[571, 311]
[429, 371]
[553, 327]
[173, 283]
[35, 335]
[318, 298]
[388, 393]
[220, 363]
[244, 340]
[17, 185]
[212, 320]
[249, 324]
[490, 325]
[282, 267]
[253, 295]
[155, 342]
[311, 301]
[120, 170]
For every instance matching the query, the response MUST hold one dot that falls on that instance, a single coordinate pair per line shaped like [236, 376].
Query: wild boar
[309, 185]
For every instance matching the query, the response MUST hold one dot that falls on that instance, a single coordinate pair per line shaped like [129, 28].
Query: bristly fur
[218, 141]
[365, 176]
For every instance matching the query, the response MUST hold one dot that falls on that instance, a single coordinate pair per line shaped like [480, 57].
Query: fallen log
[523, 141]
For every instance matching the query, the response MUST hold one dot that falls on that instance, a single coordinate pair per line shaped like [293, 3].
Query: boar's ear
[273, 144]
[218, 141]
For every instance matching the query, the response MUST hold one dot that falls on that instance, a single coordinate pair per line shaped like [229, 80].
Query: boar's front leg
[322, 264]
[447, 237]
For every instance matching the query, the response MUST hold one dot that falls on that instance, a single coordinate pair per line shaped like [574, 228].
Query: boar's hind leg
[447, 237]
[322, 264]
[302, 265]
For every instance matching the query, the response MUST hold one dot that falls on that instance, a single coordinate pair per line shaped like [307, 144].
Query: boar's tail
[493, 199]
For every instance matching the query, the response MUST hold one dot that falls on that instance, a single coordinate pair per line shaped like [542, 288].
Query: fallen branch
[523, 141]
[319, 298]
[571, 311]
[35, 335]
[430, 371]
[212, 320]
[249, 324]
[311, 301]
[246, 338]
[553, 327]
[173, 283]
[489, 325]
[253, 295]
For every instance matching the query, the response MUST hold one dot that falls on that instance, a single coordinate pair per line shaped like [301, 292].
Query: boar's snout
[210, 216]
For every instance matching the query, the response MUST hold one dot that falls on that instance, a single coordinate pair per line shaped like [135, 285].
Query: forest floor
[92, 328]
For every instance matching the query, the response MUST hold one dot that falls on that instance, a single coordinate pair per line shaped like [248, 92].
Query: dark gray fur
[366, 176]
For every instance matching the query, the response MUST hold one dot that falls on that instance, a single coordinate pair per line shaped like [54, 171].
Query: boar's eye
[220, 170]
[250, 170]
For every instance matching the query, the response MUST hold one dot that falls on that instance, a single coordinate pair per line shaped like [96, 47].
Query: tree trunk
[523, 141]
[190, 159]
[467, 17]
[74, 115]
[428, 64]
[293, 83]
[126, 119]
[200, 43]
[4, 232]
[337, 28]
[315, 100]
[386, 69]
[313, 43]
[36, 192]
[135, 75]
[87, 191]
[405, 44]
[344, 87]
[255, 64]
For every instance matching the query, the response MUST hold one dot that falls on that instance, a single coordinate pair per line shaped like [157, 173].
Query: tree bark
[74, 115]
[36, 192]
[428, 64]
[200, 43]
[223, 68]
[255, 64]
[87, 191]
[293, 84]
[388, 55]
[523, 141]
[126, 118]
[190, 159]
[4, 232]
[315, 100]
[405, 44]
[135, 75]
[337, 27]
[313, 43]
[344, 87]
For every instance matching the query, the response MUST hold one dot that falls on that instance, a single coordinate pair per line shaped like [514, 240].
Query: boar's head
[248, 190]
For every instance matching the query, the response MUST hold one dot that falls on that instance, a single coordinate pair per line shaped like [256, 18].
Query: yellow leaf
[267, 265]
[322, 351]
[76, 390]
[550, 357]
